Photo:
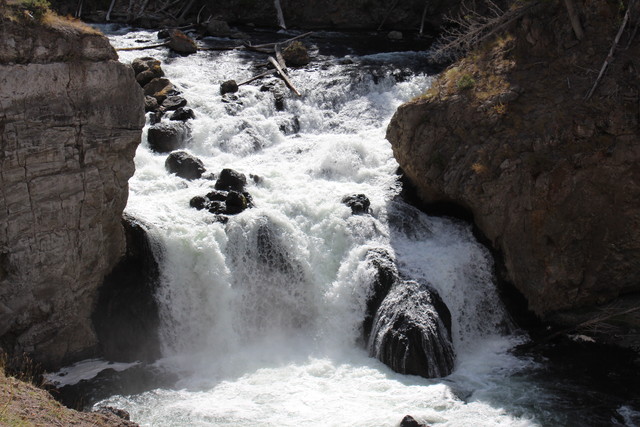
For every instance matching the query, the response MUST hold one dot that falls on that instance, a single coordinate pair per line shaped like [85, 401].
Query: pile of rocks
[161, 98]
[228, 198]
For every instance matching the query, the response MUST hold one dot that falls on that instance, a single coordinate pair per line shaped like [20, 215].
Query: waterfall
[265, 318]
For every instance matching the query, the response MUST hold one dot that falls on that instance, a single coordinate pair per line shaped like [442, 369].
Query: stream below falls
[261, 346]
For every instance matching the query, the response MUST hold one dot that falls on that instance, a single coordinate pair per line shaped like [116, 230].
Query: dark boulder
[235, 203]
[410, 333]
[216, 207]
[184, 165]
[159, 88]
[166, 137]
[359, 203]
[173, 102]
[126, 317]
[198, 202]
[218, 28]
[155, 117]
[231, 180]
[182, 114]
[385, 276]
[109, 382]
[409, 421]
[179, 42]
[230, 86]
[163, 34]
[296, 55]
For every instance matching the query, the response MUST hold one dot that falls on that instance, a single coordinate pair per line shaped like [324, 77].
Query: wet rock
[173, 102]
[109, 382]
[359, 203]
[126, 318]
[155, 117]
[230, 86]
[220, 196]
[411, 332]
[216, 207]
[198, 202]
[166, 137]
[409, 421]
[235, 203]
[230, 179]
[394, 35]
[386, 275]
[163, 34]
[158, 88]
[184, 165]
[278, 97]
[179, 42]
[296, 55]
[182, 114]
[150, 104]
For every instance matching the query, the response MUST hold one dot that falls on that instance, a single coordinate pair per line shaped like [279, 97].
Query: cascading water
[262, 317]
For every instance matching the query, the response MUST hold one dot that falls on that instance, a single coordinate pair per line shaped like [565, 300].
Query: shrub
[465, 82]
[37, 8]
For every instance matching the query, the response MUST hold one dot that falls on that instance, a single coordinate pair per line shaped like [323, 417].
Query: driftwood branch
[259, 76]
[574, 18]
[609, 57]
[280, 58]
[272, 45]
[144, 47]
[424, 15]
[283, 75]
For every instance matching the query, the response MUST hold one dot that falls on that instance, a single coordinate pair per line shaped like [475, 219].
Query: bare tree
[470, 28]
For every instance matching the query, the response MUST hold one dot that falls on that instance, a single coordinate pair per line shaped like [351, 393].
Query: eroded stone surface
[69, 126]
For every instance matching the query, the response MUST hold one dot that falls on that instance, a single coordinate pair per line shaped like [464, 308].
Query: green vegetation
[37, 8]
[465, 82]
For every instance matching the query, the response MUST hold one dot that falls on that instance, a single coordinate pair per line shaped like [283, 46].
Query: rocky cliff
[550, 177]
[70, 120]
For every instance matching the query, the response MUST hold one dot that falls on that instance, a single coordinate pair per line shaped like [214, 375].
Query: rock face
[551, 179]
[126, 316]
[70, 120]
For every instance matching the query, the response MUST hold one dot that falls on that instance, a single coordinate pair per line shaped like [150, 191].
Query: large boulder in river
[181, 43]
[412, 332]
[184, 165]
[146, 69]
[166, 137]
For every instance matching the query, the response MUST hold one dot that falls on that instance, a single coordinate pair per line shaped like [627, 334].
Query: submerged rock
[359, 203]
[409, 421]
[412, 332]
[166, 137]
[184, 165]
[173, 102]
[386, 275]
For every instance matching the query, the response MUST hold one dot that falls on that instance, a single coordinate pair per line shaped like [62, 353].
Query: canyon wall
[550, 176]
[70, 121]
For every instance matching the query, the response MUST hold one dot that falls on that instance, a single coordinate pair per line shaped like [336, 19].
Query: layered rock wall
[70, 120]
[551, 178]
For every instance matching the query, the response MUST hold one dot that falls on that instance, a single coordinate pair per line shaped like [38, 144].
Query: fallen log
[259, 76]
[284, 76]
[272, 45]
[280, 58]
[143, 47]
